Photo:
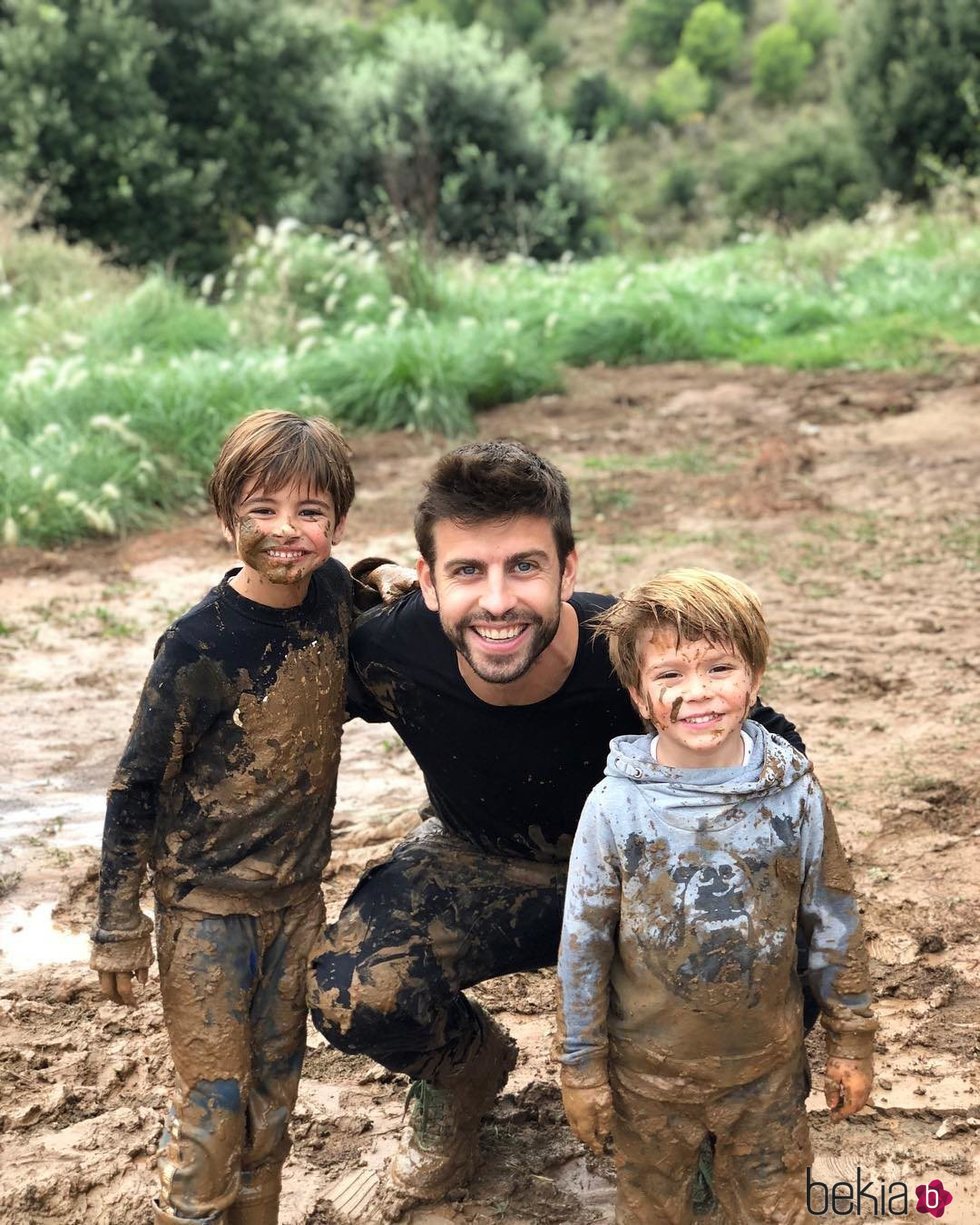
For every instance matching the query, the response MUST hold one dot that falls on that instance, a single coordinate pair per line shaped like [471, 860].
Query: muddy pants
[233, 989]
[761, 1154]
[437, 917]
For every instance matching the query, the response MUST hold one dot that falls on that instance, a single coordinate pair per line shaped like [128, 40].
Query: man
[491, 676]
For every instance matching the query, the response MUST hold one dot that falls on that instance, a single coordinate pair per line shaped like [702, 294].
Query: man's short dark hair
[483, 482]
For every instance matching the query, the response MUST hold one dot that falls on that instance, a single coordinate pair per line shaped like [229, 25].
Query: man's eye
[525, 567]
[465, 571]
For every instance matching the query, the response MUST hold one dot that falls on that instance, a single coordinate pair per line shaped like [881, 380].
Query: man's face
[498, 589]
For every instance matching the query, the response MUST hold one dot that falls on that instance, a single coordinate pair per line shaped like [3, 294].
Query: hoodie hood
[711, 798]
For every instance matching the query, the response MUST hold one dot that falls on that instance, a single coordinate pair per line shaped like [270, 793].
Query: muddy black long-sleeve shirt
[226, 787]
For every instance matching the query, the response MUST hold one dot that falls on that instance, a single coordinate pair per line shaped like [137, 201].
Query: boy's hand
[118, 985]
[589, 1112]
[847, 1085]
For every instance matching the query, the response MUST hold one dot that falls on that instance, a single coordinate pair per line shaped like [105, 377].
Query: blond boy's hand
[589, 1112]
[118, 985]
[847, 1085]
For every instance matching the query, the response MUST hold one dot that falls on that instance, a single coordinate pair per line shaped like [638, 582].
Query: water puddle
[62, 820]
[29, 938]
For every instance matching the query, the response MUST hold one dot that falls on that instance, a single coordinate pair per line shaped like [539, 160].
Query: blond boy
[706, 844]
[226, 791]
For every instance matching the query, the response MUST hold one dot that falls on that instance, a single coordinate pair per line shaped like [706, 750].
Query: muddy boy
[226, 790]
[704, 846]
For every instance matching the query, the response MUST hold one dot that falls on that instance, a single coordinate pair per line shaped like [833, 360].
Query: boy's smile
[697, 695]
[282, 536]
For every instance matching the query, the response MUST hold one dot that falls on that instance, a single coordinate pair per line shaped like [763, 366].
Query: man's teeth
[502, 634]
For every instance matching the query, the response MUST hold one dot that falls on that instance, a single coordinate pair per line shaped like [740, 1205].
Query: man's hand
[590, 1113]
[118, 985]
[392, 582]
[847, 1085]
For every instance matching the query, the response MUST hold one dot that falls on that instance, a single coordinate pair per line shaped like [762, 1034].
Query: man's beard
[500, 671]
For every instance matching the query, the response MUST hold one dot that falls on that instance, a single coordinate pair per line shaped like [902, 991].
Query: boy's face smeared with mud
[282, 536]
[696, 695]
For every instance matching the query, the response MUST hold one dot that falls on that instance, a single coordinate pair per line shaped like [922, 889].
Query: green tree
[814, 170]
[595, 103]
[680, 92]
[814, 20]
[780, 59]
[655, 26]
[245, 92]
[81, 124]
[712, 38]
[450, 136]
[912, 84]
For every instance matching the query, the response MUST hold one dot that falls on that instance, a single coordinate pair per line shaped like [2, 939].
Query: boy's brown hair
[487, 481]
[272, 448]
[687, 604]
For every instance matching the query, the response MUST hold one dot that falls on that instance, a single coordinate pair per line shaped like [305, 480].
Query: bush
[813, 171]
[814, 20]
[680, 92]
[450, 137]
[679, 188]
[244, 91]
[912, 84]
[80, 123]
[157, 127]
[597, 103]
[712, 38]
[780, 59]
[655, 26]
[547, 51]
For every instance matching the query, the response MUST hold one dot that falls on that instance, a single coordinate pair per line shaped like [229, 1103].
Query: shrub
[680, 92]
[156, 127]
[655, 26]
[814, 20]
[451, 138]
[780, 59]
[811, 172]
[80, 121]
[712, 38]
[597, 103]
[912, 84]
[547, 51]
[679, 187]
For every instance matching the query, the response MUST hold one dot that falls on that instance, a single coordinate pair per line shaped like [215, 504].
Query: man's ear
[637, 699]
[427, 585]
[569, 575]
[339, 529]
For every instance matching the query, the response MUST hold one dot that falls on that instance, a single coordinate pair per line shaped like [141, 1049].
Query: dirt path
[848, 501]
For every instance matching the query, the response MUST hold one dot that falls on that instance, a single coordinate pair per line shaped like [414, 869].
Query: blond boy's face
[282, 536]
[697, 695]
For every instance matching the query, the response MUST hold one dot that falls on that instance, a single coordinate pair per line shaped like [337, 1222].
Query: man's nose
[498, 598]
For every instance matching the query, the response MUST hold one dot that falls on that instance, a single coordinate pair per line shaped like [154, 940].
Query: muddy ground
[848, 500]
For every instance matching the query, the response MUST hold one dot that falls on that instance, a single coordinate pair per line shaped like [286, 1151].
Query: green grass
[114, 399]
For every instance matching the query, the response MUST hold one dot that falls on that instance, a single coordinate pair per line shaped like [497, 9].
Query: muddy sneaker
[439, 1147]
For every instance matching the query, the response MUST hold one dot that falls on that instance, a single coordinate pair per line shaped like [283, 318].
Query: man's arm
[774, 722]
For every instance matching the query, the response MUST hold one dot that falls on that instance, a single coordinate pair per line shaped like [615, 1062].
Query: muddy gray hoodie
[685, 889]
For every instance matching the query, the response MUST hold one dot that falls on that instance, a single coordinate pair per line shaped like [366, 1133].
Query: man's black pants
[440, 915]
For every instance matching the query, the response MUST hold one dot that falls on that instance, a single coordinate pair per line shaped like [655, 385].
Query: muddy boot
[439, 1146]
[161, 1216]
[257, 1202]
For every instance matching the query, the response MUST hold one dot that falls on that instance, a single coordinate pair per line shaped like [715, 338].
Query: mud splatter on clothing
[685, 890]
[226, 787]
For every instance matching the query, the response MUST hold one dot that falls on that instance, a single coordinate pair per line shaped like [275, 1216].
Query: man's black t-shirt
[509, 779]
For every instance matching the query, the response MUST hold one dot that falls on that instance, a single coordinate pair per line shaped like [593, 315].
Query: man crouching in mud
[491, 676]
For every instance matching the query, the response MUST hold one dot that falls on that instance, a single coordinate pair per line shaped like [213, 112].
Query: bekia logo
[865, 1197]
